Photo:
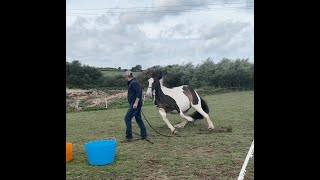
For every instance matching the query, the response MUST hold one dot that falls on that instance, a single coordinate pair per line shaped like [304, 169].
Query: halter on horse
[181, 99]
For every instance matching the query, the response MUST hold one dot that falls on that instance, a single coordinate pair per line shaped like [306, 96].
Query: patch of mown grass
[194, 156]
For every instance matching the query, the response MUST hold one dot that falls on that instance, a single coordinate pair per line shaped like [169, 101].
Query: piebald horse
[181, 99]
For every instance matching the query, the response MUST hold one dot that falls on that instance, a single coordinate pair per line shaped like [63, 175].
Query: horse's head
[154, 83]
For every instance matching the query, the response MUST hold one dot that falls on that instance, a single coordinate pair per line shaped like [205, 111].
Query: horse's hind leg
[164, 117]
[204, 114]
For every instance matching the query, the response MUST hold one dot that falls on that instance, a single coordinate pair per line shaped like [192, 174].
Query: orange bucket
[69, 151]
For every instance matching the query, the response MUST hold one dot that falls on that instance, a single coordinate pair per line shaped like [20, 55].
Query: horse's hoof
[174, 131]
[210, 128]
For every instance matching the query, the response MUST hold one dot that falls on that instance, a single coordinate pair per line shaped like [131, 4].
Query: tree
[136, 68]
[82, 76]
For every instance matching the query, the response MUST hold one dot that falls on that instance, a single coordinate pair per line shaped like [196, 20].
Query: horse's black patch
[188, 91]
[164, 101]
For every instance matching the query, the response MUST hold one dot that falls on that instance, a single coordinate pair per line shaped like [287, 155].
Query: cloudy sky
[125, 33]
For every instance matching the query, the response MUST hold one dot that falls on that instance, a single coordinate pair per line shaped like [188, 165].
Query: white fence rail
[249, 155]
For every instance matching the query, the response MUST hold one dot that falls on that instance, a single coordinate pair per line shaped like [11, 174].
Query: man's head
[128, 75]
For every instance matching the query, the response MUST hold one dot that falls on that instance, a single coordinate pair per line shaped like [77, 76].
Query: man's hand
[135, 105]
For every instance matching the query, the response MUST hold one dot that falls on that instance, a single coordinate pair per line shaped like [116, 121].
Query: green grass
[197, 156]
[116, 73]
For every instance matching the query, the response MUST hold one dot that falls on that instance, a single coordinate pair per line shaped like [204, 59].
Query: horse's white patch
[177, 94]
[149, 90]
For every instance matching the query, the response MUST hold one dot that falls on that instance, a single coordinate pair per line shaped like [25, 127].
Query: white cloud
[163, 39]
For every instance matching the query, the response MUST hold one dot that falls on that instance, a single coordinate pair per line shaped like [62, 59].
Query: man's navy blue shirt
[134, 91]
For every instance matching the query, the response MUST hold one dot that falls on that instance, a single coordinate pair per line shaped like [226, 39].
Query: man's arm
[136, 101]
[137, 90]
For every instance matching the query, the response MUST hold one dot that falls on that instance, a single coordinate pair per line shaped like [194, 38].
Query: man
[135, 104]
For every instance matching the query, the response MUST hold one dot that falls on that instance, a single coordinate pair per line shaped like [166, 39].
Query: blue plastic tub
[101, 152]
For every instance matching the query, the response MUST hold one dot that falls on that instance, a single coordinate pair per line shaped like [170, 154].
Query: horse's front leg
[188, 118]
[164, 117]
[182, 124]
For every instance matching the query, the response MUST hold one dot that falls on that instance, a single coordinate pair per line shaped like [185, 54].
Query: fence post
[77, 103]
[106, 102]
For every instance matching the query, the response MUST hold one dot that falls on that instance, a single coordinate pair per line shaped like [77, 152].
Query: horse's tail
[196, 115]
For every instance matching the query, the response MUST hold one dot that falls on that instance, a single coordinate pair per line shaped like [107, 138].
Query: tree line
[227, 73]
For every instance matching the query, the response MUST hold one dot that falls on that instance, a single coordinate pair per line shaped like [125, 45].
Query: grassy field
[116, 73]
[196, 156]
